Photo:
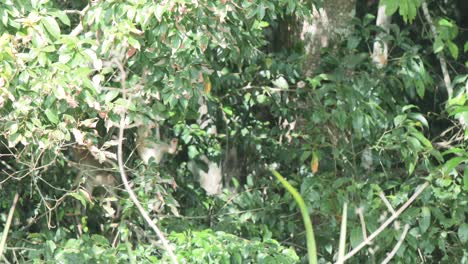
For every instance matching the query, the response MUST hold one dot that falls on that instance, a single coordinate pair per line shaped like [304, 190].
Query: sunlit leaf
[51, 26]
[51, 115]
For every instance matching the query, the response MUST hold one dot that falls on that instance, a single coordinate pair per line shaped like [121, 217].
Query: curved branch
[123, 175]
[397, 246]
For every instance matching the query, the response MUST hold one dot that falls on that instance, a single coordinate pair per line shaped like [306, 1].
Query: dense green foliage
[347, 133]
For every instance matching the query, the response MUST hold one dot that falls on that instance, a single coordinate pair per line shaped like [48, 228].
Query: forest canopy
[220, 131]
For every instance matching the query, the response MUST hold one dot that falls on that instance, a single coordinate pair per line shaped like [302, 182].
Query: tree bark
[327, 24]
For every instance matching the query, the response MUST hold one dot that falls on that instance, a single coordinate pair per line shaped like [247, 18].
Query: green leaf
[419, 117]
[51, 26]
[422, 139]
[391, 6]
[62, 16]
[453, 49]
[463, 232]
[425, 220]
[438, 45]
[451, 164]
[465, 179]
[311, 248]
[52, 116]
[227, 110]
[79, 197]
[192, 152]
[111, 95]
[465, 47]
[134, 43]
[445, 23]
[355, 237]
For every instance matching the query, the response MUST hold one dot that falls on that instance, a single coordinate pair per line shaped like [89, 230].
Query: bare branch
[8, 223]
[133, 197]
[440, 56]
[397, 245]
[387, 222]
[386, 202]
[363, 223]
[79, 28]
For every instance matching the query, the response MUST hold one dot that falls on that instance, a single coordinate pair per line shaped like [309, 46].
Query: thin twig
[387, 222]
[386, 202]
[397, 245]
[363, 223]
[123, 175]
[8, 223]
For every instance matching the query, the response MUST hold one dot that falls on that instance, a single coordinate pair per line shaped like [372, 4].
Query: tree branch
[440, 56]
[123, 175]
[397, 245]
[79, 28]
[387, 222]
[8, 223]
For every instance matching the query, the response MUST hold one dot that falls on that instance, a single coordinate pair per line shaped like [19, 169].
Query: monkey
[147, 149]
[92, 173]
[211, 180]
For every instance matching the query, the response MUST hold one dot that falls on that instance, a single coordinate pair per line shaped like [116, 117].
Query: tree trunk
[327, 24]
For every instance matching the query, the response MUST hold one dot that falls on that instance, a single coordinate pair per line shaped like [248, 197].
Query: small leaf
[314, 165]
[52, 116]
[111, 95]
[465, 179]
[192, 152]
[438, 45]
[453, 49]
[391, 6]
[51, 26]
[79, 197]
[425, 220]
[445, 23]
[355, 237]
[207, 85]
[422, 139]
[451, 164]
[463, 232]
[63, 17]
[281, 83]
[419, 117]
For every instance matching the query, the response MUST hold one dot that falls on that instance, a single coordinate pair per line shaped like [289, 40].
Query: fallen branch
[387, 222]
[7, 225]
[131, 193]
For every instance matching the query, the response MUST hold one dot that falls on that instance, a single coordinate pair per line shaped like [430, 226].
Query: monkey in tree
[148, 149]
[210, 180]
[92, 173]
